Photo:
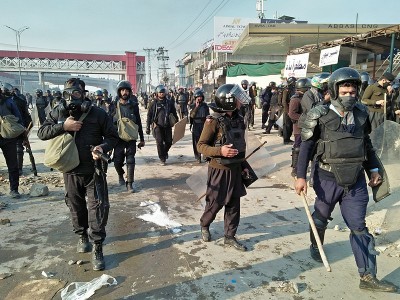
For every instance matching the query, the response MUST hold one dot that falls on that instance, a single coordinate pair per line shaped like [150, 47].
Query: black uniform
[158, 116]
[26, 120]
[8, 146]
[97, 129]
[41, 104]
[182, 100]
[124, 149]
[197, 118]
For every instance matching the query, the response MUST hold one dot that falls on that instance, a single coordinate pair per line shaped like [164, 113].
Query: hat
[389, 76]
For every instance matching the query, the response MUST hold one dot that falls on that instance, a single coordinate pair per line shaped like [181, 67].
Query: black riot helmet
[244, 82]
[364, 77]
[39, 92]
[105, 92]
[272, 84]
[57, 94]
[199, 93]
[224, 99]
[303, 84]
[124, 84]
[6, 88]
[340, 76]
[161, 89]
[291, 81]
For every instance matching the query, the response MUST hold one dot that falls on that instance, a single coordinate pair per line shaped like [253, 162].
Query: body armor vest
[339, 151]
[233, 132]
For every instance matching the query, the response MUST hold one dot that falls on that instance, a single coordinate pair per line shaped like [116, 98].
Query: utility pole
[18, 40]
[163, 58]
[148, 52]
[260, 9]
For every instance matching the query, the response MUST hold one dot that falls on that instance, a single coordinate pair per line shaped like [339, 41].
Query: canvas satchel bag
[61, 152]
[127, 129]
[9, 127]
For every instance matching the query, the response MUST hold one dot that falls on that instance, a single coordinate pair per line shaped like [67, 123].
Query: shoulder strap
[83, 116]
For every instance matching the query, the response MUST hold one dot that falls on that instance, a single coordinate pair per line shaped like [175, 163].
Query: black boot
[370, 282]
[295, 158]
[20, 159]
[130, 172]
[98, 258]
[120, 172]
[314, 247]
[83, 244]
[121, 180]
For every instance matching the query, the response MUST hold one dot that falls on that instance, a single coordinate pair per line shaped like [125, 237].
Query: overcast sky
[116, 26]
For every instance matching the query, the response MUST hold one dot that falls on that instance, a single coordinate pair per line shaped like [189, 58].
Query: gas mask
[75, 100]
[345, 103]
[385, 85]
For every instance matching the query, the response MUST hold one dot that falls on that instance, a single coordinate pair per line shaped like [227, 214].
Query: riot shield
[261, 163]
[386, 141]
[179, 130]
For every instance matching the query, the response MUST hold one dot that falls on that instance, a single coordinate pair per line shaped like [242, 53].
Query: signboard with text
[227, 31]
[329, 56]
[296, 65]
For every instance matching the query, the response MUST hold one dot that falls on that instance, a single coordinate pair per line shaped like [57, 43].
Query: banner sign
[329, 56]
[296, 65]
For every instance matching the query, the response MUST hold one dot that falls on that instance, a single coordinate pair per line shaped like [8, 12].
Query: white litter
[84, 290]
[156, 216]
[47, 274]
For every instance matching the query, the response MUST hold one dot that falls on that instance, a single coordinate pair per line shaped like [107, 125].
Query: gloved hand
[147, 130]
[140, 145]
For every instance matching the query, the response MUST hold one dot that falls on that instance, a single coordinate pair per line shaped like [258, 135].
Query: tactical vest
[342, 153]
[233, 132]
[201, 114]
[5, 107]
[126, 111]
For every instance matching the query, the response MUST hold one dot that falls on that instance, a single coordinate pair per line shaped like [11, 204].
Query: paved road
[156, 262]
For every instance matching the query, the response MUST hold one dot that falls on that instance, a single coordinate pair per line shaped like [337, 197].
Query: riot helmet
[272, 84]
[105, 93]
[6, 88]
[364, 80]
[303, 84]
[340, 76]
[57, 94]
[39, 93]
[224, 99]
[48, 92]
[124, 85]
[244, 82]
[291, 81]
[199, 93]
[161, 89]
[319, 81]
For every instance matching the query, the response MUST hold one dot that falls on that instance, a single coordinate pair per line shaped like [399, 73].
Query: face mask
[385, 85]
[73, 100]
[347, 102]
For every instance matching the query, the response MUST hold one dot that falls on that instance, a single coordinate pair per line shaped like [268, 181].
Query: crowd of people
[330, 117]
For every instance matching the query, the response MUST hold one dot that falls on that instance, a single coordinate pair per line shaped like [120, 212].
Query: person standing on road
[41, 104]
[266, 102]
[223, 141]
[197, 118]
[159, 114]
[182, 100]
[287, 94]
[127, 107]
[337, 138]
[374, 98]
[9, 145]
[86, 192]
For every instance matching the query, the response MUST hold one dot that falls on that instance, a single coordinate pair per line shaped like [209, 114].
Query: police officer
[127, 107]
[374, 99]
[41, 104]
[265, 102]
[158, 116]
[340, 134]
[364, 83]
[273, 109]
[98, 98]
[26, 120]
[9, 145]
[182, 100]
[287, 94]
[317, 94]
[89, 216]
[197, 118]
[295, 111]
[49, 96]
[223, 140]
[57, 99]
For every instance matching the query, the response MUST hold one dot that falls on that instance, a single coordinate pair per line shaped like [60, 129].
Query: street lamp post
[18, 40]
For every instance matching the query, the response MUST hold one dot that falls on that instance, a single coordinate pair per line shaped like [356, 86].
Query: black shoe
[232, 241]
[263, 126]
[121, 180]
[205, 234]
[15, 194]
[315, 253]
[370, 282]
[289, 142]
[98, 258]
[83, 244]
[267, 132]
[130, 188]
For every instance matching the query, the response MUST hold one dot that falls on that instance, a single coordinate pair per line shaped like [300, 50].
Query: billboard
[227, 31]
